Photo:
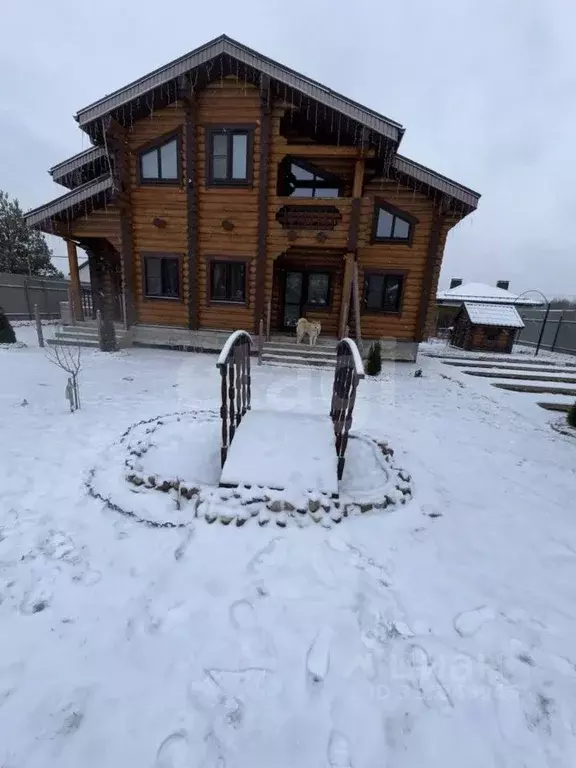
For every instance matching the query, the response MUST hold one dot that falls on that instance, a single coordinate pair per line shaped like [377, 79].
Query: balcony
[311, 222]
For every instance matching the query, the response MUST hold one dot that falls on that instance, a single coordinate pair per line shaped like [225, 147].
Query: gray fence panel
[19, 293]
[559, 334]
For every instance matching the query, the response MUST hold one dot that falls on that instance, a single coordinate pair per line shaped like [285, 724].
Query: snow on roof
[482, 292]
[492, 314]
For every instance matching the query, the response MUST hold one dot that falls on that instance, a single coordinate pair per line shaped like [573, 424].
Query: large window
[299, 178]
[160, 163]
[162, 277]
[392, 225]
[228, 281]
[383, 292]
[229, 151]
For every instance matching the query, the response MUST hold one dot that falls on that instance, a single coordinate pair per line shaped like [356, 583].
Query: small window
[160, 163]
[162, 277]
[298, 178]
[390, 224]
[383, 293]
[228, 281]
[229, 154]
[318, 289]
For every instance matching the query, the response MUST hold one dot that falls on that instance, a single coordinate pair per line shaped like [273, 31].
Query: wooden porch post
[75, 290]
[351, 256]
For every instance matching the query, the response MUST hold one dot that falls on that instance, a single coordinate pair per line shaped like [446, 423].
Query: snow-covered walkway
[440, 634]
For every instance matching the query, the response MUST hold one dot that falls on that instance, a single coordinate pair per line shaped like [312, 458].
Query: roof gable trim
[225, 45]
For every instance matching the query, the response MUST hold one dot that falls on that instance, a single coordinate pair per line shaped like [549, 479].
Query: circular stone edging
[238, 505]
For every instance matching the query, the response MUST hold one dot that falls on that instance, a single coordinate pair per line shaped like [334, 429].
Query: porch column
[75, 290]
[351, 268]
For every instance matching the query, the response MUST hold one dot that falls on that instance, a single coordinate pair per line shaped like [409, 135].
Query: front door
[304, 290]
[293, 299]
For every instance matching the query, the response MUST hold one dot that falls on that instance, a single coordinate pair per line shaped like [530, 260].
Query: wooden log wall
[397, 257]
[227, 224]
[159, 201]
[227, 102]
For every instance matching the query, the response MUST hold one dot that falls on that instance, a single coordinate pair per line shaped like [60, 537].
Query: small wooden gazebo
[487, 327]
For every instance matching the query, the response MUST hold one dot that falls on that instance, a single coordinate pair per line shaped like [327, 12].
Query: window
[382, 292]
[162, 277]
[390, 224]
[228, 281]
[301, 179]
[229, 156]
[318, 294]
[160, 164]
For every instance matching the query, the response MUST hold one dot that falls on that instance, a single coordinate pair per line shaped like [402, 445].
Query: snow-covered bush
[7, 335]
[374, 361]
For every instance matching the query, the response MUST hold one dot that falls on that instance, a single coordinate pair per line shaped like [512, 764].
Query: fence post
[260, 340]
[27, 295]
[556, 334]
[38, 325]
[542, 329]
[268, 316]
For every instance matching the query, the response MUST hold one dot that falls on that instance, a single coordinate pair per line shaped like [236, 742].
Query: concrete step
[300, 350]
[88, 330]
[279, 359]
[74, 342]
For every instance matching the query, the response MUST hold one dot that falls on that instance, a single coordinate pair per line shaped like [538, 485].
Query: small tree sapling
[69, 358]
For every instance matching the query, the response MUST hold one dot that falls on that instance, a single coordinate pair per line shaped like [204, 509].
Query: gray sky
[486, 90]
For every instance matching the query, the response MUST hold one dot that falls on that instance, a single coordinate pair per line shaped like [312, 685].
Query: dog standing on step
[310, 328]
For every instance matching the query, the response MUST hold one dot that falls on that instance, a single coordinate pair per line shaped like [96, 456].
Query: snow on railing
[234, 365]
[357, 357]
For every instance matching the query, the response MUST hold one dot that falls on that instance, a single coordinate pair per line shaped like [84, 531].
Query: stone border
[238, 505]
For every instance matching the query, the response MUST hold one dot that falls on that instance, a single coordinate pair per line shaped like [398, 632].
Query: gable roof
[505, 316]
[480, 292]
[224, 45]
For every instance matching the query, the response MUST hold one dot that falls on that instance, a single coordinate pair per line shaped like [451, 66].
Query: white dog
[310, 328]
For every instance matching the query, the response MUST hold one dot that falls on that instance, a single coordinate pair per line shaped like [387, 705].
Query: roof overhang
[61, 171]
[68, 202]
[457, 301]
[225, 46]
[436, 181]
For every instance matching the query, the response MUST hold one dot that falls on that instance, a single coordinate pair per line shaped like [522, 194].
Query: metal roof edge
[436, 180]
[224, 44]
[59, 204]
[76, 161]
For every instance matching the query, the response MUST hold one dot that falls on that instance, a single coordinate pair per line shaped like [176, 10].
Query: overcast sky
[486, 90]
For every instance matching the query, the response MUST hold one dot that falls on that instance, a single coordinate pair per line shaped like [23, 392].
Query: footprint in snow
[468, 623]
[36, 600]
[180, 550]
[255, 642]
[318, 656]
[174, 751]
[338, 751]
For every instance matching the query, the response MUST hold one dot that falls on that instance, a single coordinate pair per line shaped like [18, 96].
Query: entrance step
[279, 352]
[85, 334]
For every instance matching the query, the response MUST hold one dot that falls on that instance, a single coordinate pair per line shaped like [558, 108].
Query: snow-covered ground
[438, 634]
